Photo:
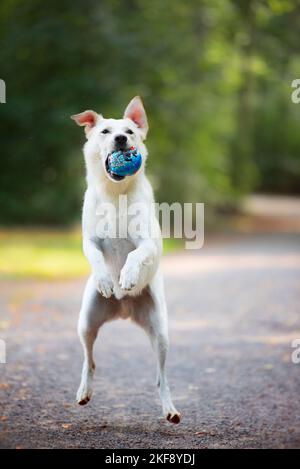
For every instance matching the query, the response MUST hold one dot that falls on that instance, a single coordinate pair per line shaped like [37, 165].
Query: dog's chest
[116, 219]
[115, 251]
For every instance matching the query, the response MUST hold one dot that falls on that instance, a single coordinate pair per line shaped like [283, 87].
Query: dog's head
[105, 136]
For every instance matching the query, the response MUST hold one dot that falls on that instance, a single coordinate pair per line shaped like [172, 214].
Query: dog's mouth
[113, 176]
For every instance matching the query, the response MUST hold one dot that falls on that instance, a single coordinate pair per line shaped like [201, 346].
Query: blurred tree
[214, 75]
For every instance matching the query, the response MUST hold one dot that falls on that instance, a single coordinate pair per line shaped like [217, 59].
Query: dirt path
[234, 311]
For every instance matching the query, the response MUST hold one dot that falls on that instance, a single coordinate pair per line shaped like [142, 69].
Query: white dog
[125, 279]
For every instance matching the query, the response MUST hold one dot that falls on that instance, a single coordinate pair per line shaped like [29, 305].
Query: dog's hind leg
[151, 314]
[94, 312]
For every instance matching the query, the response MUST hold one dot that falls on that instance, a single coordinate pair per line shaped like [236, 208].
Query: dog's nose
[120, 140]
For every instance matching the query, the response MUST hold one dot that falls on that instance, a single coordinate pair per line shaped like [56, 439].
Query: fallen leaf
[268, 366]
[210, 370]
[66, 425]
[192, 387]
[62, 356]
[4, 385]
[204, 433]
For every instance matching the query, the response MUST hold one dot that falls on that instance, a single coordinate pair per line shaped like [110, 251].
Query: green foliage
[214, 74]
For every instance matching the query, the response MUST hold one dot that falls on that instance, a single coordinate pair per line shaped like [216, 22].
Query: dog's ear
[136, 112]
[87, 118]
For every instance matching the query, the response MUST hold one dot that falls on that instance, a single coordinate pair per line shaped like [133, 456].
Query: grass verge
[48, 254]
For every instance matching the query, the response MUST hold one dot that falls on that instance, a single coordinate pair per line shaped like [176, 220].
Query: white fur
[125, 280]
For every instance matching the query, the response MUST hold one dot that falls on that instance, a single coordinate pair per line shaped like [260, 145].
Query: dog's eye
[105, 131]
[129, 131]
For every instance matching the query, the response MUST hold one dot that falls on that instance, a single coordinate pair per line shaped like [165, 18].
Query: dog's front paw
[104, 284]
[129, 276]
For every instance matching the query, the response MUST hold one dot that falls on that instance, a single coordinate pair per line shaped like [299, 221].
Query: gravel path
[234, 311]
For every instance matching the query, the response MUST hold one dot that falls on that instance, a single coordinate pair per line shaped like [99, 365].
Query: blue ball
[125, 163]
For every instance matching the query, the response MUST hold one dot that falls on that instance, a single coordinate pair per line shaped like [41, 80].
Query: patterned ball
[124, 163]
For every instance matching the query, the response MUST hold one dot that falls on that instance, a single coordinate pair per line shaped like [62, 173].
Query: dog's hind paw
[84, 395]
[174, 417]
[84, 401]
